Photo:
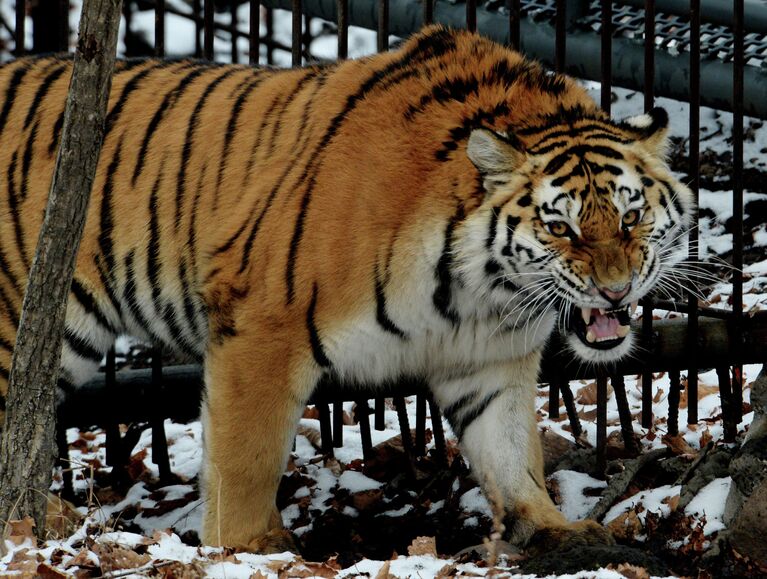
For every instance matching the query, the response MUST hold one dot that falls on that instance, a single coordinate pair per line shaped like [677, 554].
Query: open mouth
[602, 329]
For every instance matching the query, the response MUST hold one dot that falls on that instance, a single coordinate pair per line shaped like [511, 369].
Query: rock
[714, 465]
[748, 529]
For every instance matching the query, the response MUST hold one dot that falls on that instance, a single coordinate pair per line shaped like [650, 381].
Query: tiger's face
[585, 219]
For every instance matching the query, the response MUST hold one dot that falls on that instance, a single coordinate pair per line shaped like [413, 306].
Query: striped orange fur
[431, 212]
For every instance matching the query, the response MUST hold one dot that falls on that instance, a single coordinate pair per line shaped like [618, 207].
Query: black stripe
[244, 262]
[15, 210]
[88, 303]
[429, 46]
[171, 98]
[5, 269]
[5, 374]
[82, 348]
[42, 90]
[10, 308]
[382, 317]
[601, 132]
[6, 345]
[128, 88]
[56, 134]
[314, 337]
[231, 128]
[129, 293]
[189, 311]
[442, 297]
[26, 161]
[580, 151]
[463, 418]
[493, 227]
[191, 242]
[10, 93]
[312, 74]
[451, 410]
[153, 263]
[106, 219]
[462, 132]
[191, 127]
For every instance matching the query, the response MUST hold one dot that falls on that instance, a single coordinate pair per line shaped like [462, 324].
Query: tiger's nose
[615, 296]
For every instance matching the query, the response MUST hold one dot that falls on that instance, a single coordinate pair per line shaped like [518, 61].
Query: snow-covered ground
[150, 530]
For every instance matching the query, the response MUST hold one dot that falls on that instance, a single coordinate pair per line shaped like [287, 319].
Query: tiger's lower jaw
[600, 336]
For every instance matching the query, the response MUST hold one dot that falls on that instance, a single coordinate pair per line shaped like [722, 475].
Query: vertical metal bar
[673, 402]
[404, 425]
[326, 430]
[428, 11]
[471, 15]
[63, 42]
[112, 429]
[343, 29]
[649, 54]
[515, 15]
[254, 34]
[440, 448]
[208, 31]
[233, 22]
[553, 400]
[607, 55]
[694, 184]
[737, 206]
[380, 416]
[572, 413]
[624, 412]
[159, 442]
[725, 394]
[601, 422]
[338, 424]
[383, 26]
[196, 9]
[560, 42]
[306, 36]
[362, 412]
[159, 28]
[269, 36]
[67, 475]
[295, 42]
[19, 35]
[647, 342]
[420, 425]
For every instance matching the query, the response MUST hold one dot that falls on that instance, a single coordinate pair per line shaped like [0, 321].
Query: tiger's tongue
[603, 326]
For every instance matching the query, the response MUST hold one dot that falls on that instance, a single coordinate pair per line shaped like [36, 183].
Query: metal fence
[707, 52]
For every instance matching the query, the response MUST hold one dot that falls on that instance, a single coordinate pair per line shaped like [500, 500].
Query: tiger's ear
[651, 130]
[494, 155]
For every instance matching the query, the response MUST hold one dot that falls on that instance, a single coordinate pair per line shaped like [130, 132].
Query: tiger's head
[583, 217]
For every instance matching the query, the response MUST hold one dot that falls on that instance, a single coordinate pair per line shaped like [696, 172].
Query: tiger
[434, 212]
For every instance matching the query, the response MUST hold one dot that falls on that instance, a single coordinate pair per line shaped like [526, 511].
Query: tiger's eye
[559, 228]
[630, 218]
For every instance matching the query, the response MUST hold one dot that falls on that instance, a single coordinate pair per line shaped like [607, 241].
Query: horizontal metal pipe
[538, 41]
[712, 11]
[178, 397]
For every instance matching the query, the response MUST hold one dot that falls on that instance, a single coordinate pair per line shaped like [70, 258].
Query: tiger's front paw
[275, 541]
[579, 534]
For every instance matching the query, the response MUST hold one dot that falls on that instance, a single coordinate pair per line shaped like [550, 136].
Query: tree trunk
[28, 442]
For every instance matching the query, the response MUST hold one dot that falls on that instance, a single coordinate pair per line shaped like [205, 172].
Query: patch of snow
[709, 502]
[653, 500]
[575, 503]
[356, 482]
[473, 501]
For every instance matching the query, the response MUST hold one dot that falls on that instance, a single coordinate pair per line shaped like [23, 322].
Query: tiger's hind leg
[257, 386]
[493, 413]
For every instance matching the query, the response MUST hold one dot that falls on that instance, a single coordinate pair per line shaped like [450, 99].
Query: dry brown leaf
[705, 438]
[383, 572]
[258, 575]
[62, 518]
[625, 526]
[448, 570]
[672, 502]
[47, 572]
[178, 570]
[21, 530]
[678, 445]
[658, 395]
[631, 571]
[423, 546]
[82, 559]
[587, 394]
[113, 558]
[363, 500]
